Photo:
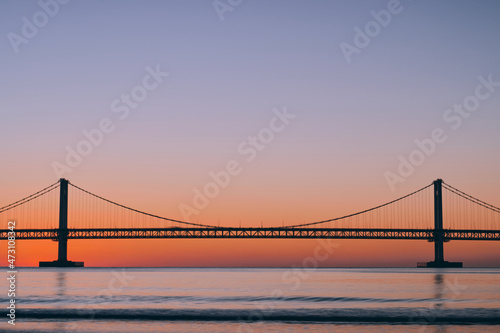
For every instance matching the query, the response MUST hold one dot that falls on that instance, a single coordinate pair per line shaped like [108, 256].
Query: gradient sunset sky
[230, 71]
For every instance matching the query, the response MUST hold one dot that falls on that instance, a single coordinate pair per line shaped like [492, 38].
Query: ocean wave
[355, 315]
[223, 299]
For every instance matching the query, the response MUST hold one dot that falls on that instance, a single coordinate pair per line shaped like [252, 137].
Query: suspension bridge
[419, 215]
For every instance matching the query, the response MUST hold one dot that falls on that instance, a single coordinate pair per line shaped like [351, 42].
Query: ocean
[255, 300]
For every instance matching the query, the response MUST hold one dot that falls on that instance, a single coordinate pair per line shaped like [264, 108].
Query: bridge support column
[438, 231]
[62, 239]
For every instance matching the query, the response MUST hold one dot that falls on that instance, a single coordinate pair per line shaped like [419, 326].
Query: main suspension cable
[141, 212]
[471, 198]
[30, 197]
[359, 213]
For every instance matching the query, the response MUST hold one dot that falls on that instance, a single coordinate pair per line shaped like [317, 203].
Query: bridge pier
[438, 231]
[62, 238]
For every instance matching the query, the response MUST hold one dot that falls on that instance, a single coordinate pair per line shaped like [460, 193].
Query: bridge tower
[439, 238]
[62, 238]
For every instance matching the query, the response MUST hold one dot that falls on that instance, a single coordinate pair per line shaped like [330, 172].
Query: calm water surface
[256, 300]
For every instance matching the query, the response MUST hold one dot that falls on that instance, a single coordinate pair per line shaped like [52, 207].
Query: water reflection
[61, 283]
[61, 291]
[439, 290]
[439, 296]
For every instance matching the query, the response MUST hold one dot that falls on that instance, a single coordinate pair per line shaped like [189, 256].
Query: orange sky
[261, 253]
[289, 207]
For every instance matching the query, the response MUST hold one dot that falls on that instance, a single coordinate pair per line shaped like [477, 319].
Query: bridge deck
[338, 233]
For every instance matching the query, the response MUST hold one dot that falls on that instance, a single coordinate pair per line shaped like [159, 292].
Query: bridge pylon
[62, 238]
[439, 238]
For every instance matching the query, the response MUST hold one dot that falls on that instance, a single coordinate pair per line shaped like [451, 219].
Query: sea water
[255, 300]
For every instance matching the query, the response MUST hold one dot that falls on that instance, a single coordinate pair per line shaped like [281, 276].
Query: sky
[315, 109]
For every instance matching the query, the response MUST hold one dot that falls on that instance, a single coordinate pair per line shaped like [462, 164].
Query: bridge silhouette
[418, 216]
